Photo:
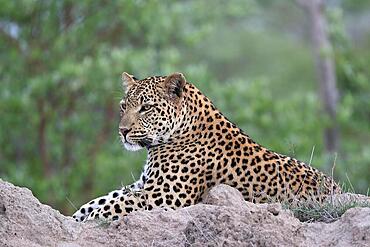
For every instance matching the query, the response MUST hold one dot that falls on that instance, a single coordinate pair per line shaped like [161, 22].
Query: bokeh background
[60, 67]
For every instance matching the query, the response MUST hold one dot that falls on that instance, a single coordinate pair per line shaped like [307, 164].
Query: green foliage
[354, 113]
[60, 67]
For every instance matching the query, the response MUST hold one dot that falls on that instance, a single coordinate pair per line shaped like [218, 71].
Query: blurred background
[293, 76]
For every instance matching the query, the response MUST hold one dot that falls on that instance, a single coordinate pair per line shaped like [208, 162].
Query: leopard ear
[174, 85]
[127, 81]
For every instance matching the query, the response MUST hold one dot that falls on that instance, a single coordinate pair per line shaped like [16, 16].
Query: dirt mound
[224, 220]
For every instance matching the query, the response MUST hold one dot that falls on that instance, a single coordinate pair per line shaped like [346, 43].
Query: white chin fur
[132, 147]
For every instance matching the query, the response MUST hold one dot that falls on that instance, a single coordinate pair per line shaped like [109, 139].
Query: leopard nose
[124, 131]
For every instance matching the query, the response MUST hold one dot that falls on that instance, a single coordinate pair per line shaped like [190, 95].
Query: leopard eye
[145, 108]
[122, 107]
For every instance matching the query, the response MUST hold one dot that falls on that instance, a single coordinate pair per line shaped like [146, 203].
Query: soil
[224, 219]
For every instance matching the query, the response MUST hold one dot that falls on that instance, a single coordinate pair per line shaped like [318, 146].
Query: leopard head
[150, 110]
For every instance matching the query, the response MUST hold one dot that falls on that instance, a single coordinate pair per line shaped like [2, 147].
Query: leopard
[192, 147]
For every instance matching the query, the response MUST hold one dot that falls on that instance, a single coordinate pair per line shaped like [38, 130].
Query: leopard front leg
[157, 190]
[116, 208]
[94, 205]
[145, 199]
[86, 209]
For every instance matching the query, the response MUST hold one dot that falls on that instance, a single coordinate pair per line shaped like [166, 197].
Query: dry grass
[328, 211]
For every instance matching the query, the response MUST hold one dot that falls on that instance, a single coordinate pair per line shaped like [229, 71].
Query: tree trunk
[42, 145]
[325, 67]
[102, 136]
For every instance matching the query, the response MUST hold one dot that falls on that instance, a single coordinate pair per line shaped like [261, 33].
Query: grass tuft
[328, 211]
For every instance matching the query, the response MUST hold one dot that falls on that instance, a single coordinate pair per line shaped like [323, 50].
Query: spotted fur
[192, 147]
